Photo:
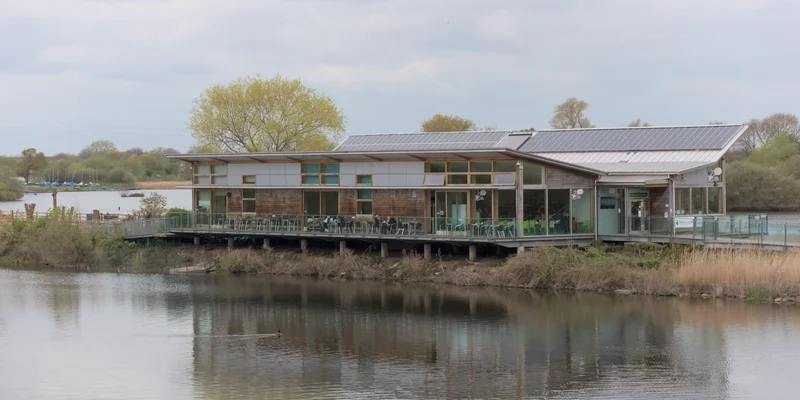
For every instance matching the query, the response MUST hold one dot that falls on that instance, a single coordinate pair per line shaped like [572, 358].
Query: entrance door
[639, 215]
[450, 212]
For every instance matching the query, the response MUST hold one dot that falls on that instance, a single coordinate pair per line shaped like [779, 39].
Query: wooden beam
[334, 158]
[293, 159]
[255, 159]
[373, 158]
[415, 157]
[460, 156]
[222, 161]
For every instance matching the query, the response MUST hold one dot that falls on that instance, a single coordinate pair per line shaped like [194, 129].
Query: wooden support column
[197, 240]
[230, 242]
[426, 251]
[520, 202]
[384, 249]
[473, 252]
[342, 246]
[304, 245]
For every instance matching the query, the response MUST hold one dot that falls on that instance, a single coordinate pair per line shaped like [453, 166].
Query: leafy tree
[775, 151]
[447, 123]
[753, 187]
[570, 115]
[638, 122]
[152, 206]
[31, 162]
[135, 150]
[98, 147]
[259, 114]
[528, 130]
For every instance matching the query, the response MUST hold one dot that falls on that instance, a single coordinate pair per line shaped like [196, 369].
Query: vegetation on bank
[10, 187]
[56, 241]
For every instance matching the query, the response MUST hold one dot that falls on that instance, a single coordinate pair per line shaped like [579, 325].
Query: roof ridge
[434, 133]
[638, 127]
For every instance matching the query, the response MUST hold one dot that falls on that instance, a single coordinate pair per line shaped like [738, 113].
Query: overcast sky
[73, 71]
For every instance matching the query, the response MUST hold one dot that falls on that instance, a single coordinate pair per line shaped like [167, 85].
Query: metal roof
[651, 138]
[597, 157]
[337, 156]
[646, 168]
[423, 141]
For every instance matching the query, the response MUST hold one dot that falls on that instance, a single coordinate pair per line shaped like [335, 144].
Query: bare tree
[98, 146]
[638, 122]
[569, 115]
[762, 130]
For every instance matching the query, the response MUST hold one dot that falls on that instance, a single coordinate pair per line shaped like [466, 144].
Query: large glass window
[582, 211]
[532, 174]
[534, 213]
[699, 201]
[505, 166]
[558, 207]
[249, 201]
[506, 204]
[715, 200]
[435, 167]
[481, 205]
[322, 203]
[364, 202]
[682, 201]
[315, 174]
[364, 180]
[203, 201]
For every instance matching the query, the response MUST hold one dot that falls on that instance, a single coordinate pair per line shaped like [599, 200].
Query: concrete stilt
[473, 252]
[384, 250]
[304, 245]
[342, 246]
[197, 240]
[266, 243]
[230, 242]
[426, 251]
[520, 250]
[499, 250]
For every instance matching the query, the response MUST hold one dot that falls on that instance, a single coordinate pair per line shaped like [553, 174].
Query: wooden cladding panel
[559, 178]
[398, 202]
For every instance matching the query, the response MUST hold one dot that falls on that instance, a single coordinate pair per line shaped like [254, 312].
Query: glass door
[638, 216]
[202, 207]
[451, 212]
[218, 207]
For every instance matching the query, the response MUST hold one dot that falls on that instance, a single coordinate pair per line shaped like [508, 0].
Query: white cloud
[73, 71]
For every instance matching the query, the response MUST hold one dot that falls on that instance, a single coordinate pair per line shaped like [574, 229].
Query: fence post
[785, 235]
[694, 229]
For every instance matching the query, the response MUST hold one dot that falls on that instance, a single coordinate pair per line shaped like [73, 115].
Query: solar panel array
[423, 141]
[712, 137]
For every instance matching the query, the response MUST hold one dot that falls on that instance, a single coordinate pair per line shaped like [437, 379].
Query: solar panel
[423, 141]
[711, 137]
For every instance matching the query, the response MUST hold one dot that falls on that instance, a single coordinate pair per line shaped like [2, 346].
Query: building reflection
[420, 341]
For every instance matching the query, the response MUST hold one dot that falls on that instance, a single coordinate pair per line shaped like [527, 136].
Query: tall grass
[742, 273]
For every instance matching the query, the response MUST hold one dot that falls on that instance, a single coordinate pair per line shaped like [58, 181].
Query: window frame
[212, 174]
[360, 201]
[320, 174]
[359, 176]
[248, 200]
[244, 180]
[473, 175]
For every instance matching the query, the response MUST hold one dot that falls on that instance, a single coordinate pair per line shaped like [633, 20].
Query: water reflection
[442, 342]
[69, 335]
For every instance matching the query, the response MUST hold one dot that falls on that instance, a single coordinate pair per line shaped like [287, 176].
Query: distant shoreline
[154, 185]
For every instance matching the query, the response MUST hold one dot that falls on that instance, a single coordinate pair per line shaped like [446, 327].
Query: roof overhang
[420, 155]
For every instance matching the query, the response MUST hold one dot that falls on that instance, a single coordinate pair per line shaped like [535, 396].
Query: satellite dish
[717, 171]
[483, 193]
[579, 192]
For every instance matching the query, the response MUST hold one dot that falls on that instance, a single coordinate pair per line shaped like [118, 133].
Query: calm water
[93, 336]
[105, 201]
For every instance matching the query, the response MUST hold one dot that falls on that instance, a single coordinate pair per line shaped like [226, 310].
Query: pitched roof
[650, 138]
[424, 141]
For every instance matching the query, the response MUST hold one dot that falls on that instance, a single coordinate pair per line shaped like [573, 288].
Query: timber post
[473, 252]
[384, 249]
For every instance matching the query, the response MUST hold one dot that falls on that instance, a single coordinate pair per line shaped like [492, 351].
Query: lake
[93, 336]
[105, 201]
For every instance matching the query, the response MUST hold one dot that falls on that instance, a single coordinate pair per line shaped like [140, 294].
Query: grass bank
[56, 242]
[153, 185]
